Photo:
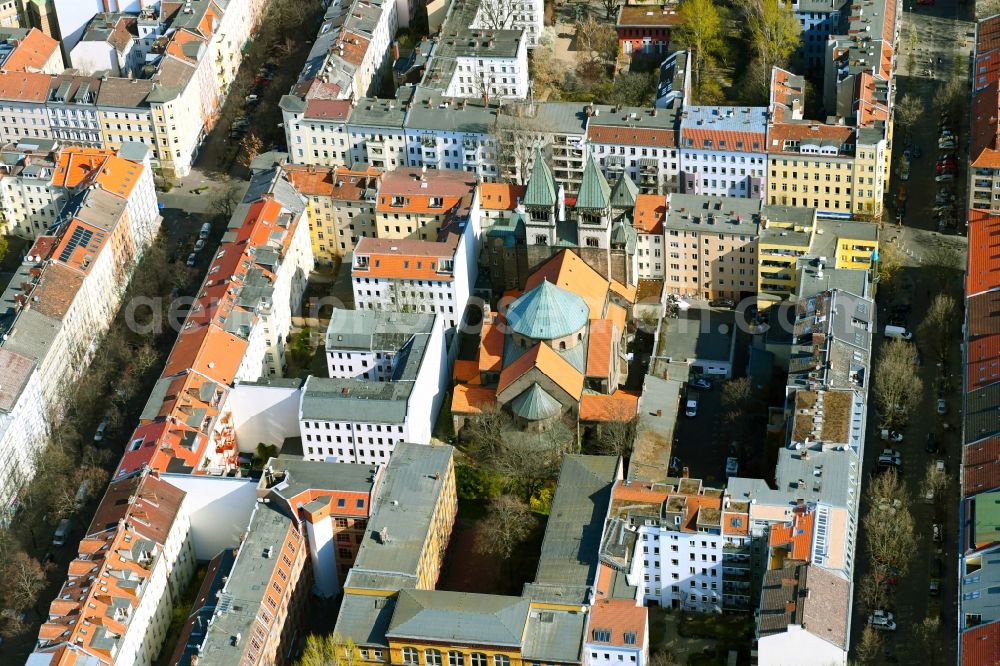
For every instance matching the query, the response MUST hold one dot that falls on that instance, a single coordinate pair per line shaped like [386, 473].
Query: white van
[206, 229]
[691, 409]
[897, 332]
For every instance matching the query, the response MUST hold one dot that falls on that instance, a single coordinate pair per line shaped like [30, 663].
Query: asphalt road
[939, 36]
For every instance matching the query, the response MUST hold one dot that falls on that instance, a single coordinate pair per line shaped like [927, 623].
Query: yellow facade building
[786, 235]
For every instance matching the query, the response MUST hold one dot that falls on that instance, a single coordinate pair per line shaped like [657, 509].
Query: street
[934, 48]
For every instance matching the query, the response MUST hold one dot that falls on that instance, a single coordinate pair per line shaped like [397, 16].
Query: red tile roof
[807, 132]
[983, 367]
[600, 348]
[417, 187]
[491, 347]
[500, 196]
[550, 364]
[650, 213]
[981, 466]
[983, 314]
[24, 86]
[984, 151]
[631, 136]
[618, 616]
[983, 272]
[32, 52]
[405, 259]
[981, 645]
[795, 536]
[468, 399]
[620, 406]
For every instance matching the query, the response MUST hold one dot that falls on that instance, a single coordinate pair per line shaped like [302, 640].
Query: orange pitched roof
[983, 271]
[778, 133]
[80, 166]
[32, 52]
[569, 271]
[735, 523]
[413, 189]
[795, 536]
[79, 255]
[639, 492]
[984, 150]
[500, 196]
[405, 259]
[24, 86]
[619, 406]
[631, 136]
[983, 366]
[649, 214]
[466, 371]
[491, 347]
[627, 292]
[468, 399]
[618, 617]
[337, 182]
[550, 364]
[209, 350]
[600, 347]
[617, 314]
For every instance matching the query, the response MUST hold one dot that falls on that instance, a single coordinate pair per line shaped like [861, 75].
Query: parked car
[191, 260]
[102, 427]
[890, 456]
[938, 532]
[942, 407]
[205, 230]
[937, 571]
[732, 466]
[931, 446]
[905, 174]
[944, 177]
[721, 303]
[891, 436]
[702, 384]
[691, 409]
[882, 620]
[897, 332]
[62, 532]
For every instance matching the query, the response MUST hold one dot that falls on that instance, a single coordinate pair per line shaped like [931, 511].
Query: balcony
[428, 141]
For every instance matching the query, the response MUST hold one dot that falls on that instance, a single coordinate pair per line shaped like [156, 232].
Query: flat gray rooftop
[699, 333]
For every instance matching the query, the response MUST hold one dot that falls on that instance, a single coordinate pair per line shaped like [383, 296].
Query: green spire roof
[595, 193]
[624, 192]
[547, 312]
[542, 187]
[624, 234]
[535, 404]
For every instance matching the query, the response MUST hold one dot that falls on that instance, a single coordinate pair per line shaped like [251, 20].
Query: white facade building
[358, 419]
[23, 427]
[723, 151]
[527, 15]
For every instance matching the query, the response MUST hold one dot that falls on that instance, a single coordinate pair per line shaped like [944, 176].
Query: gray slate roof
[459, 617]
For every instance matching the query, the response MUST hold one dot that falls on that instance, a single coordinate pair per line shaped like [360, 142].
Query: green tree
[634, 89]
[4, 246]
[477, 483]
[324, 650]
[775, 33]
[701, 31]
[507, 525]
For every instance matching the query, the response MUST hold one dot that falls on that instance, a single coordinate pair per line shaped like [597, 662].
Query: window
[432, 657]
[456, 658]
[501, 660]
[478, 659]
[409, 655]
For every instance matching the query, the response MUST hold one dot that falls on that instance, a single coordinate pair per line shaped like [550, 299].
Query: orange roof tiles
[468, 399]
[620, 406]
[337, 182]
[56, 290]
[719, 139]
[328, 109]
[618, 617]
[983, 271]
[32, 52]
[600, 348]
[500, 196]
[617, 314]
[649, 214]
[981, 466]
[405, 259]
[984, 150]
[981, 645]
[638, 492]
[988, 34]
[82, 166]
[805, 133]
[209, 350]
[466, 371]
[491, 347]
[550, 364]
[627, 292]
[80, 256]
[983, 367]
[796, 535]
[352, 47]
[735, 523]
[24, 86]
[413, 189]
[631, 136]
[569, 271]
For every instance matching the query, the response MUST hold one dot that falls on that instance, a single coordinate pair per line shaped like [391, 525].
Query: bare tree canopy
[898, 387]
[938, 326]
[323, 650]
[507, 525]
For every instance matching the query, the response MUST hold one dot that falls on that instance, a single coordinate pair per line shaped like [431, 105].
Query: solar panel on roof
[79, 237]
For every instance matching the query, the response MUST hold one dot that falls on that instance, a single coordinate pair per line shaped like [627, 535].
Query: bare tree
[888, 525]
[943, 263]
[935, 482]
[611, 9]
[507, 525]
[325, 649]
[873, 592]
[225, 200]
[928, 637]
[898, 387]
[517, 133]
[485, 432]
[907, 112]
[662, 658]
[69, 499]
[869, 648]
[617, 437]
[938, 325]
[496, 14]
[250, 148]
[23, 581]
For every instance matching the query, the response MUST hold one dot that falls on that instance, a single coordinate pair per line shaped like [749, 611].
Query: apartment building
[640, 143]
[443, 133]
[818, 20]
[984, 151]
[482, 64]
[23, 427]
[125, 115]
[416, 276]
[526, 15]
[618, 630]
[11, 14]
[498, 202]
[27, 50]
[648, 217]
[681, 545]
[316, 131]
[66, 292]
[235, 331]
[132, 565]
[711, 246]
[22, 106]
[341, 207]
[376, 133]
[30, 203]
[804, 611]
[417, 204]
[785, 237]
[358, 419]
[723, 151]
[263, 599]
[109, 43]
[333, 503]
